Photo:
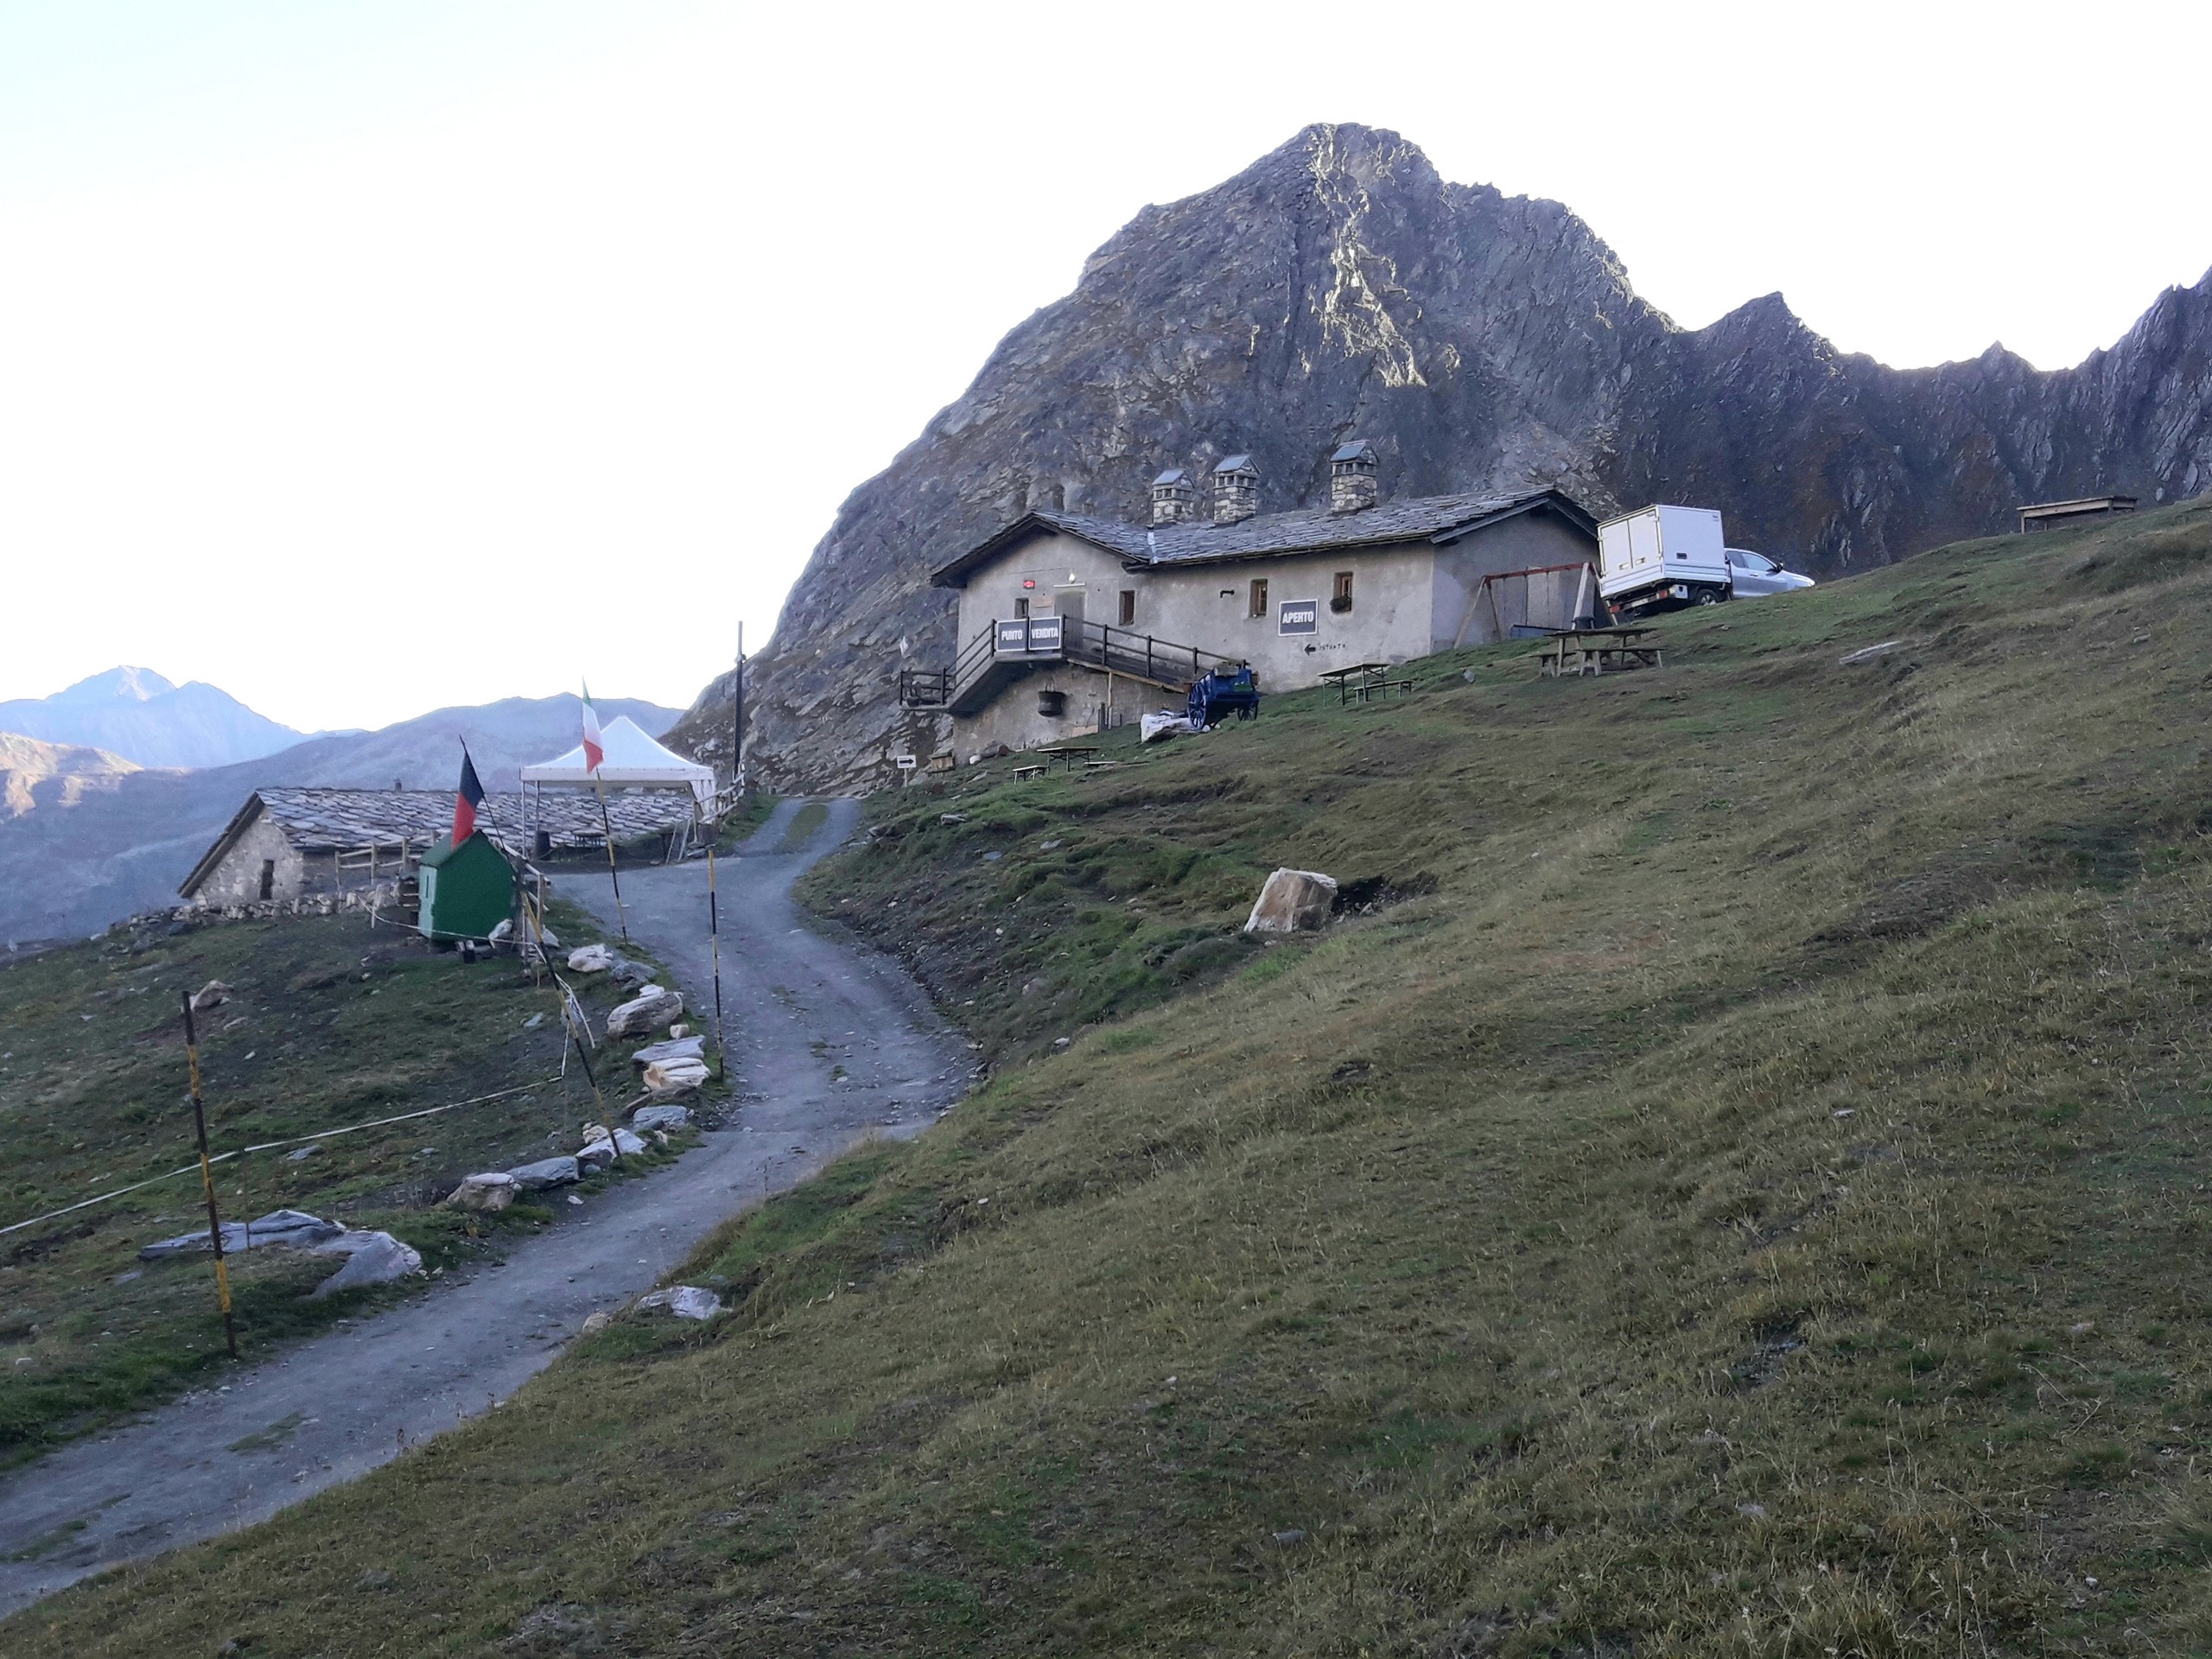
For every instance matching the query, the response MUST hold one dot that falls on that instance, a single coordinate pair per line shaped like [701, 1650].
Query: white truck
[1660, 558]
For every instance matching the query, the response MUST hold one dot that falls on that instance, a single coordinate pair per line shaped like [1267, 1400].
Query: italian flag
[594, 751]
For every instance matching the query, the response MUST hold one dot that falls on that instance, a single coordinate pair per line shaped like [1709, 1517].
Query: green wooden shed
[466, 890]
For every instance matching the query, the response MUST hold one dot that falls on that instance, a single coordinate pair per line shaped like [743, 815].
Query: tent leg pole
[607, 829]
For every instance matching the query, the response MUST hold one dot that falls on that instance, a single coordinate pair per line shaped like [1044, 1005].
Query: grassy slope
[1750, 1204]
[330, 1024]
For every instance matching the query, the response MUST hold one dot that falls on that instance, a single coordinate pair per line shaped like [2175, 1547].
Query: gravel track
[828, 1041]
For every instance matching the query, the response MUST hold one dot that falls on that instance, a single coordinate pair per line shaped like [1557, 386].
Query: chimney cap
[1235, 464]
[1358, 449]
[1173, 475]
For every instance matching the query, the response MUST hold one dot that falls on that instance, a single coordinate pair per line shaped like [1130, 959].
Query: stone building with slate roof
[293, 843]
[1069, 622]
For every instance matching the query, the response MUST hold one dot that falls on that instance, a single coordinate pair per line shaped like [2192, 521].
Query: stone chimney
[1173, 501]
[1351, 477]
[1236, 490]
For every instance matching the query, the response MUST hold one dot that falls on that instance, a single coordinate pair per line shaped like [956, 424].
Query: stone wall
[1210, 607]
[1014, 719]
[237, 879]
[380, 896]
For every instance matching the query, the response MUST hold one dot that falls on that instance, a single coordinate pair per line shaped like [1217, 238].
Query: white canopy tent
[630, 760]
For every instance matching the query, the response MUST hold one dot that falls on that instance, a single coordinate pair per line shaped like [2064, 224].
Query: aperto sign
[1299, 616]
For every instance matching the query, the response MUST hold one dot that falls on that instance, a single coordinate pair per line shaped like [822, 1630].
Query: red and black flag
[465, 803]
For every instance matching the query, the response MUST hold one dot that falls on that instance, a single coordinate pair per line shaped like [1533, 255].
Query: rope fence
[271, 1146]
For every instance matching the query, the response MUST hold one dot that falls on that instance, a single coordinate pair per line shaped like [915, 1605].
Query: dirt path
[828, 1042]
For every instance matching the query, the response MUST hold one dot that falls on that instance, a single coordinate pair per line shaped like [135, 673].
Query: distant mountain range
[87, 838]
[136, 713]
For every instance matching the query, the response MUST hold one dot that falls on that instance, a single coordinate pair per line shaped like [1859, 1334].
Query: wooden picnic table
[1364, 681]
[1068, 753]
[1592, 651]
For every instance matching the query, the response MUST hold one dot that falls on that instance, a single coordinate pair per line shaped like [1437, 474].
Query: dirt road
[828, 1042]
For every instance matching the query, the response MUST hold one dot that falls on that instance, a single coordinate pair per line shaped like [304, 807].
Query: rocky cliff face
[1340, 287]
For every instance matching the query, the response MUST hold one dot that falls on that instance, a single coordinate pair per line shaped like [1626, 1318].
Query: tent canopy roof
[632, 758]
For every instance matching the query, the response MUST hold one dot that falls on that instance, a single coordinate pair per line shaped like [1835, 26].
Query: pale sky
[364, 359]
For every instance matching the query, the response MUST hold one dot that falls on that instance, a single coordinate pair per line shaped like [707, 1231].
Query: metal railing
[1063, 640]
[1124, 651]
[925, 688]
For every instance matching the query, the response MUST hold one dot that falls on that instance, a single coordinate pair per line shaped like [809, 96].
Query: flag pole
[715, 943]
[594, 757]
[207, 1179]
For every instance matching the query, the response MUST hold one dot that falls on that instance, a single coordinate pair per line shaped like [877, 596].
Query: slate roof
[1439, 519]
[331, 820]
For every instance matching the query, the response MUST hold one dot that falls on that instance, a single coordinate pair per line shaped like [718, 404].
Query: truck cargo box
[1661, 554]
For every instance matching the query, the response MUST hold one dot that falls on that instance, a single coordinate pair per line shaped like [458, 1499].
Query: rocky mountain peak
[117, 685]
[1339, 287]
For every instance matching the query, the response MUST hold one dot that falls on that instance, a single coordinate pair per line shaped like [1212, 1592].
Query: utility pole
[207, 1180]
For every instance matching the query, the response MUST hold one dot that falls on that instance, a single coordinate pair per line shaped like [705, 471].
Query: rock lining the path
[650, 1010]
[677, 1048]
[487, 1194]
[371, 1259]
[546, 1173]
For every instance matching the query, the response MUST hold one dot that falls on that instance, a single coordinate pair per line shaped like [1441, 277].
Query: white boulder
[684, 1302]
[668, 1079]
[591, 959]
[487, 1193]
[1293, 901]
[646, 1119]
